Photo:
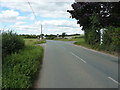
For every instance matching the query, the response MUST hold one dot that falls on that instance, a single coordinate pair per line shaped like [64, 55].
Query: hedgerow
[19, 68]
[111, 39]
[11, 43]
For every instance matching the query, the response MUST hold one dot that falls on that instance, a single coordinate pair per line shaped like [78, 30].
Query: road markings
[78, 57]
[114, 80]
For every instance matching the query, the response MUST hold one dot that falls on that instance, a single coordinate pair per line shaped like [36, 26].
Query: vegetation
[20, 65]
[63, 35]
[11, 43]
[82, 42]
[111, 40]
[50, 36]
[34, 41]
[40, 42]
[108, 47]
[19, 69]
[29, 36]
[94, 16]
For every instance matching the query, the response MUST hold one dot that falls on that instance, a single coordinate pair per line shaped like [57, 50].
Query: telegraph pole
[41, 32]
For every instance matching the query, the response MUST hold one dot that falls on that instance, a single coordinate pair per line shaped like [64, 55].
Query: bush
[111, 39]
[19, 68]
[11, 43]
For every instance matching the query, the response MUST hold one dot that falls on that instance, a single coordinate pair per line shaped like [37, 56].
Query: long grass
[19, 69]
[33, 41]
[21, 61]
[82, 42]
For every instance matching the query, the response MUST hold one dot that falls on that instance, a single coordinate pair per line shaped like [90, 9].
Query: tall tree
[95, 15]
[108, 13]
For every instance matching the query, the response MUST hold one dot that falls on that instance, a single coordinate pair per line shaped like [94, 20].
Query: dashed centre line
[114, 80]
[78, 57]
[86, 62]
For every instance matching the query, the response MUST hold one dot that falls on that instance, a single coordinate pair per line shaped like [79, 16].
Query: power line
[34, 15]
[31, 9]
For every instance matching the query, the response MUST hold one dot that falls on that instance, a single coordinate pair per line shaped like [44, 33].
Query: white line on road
[78, 57]
[114, 80]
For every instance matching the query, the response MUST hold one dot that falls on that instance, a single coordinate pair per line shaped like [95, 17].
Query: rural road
[68, 66]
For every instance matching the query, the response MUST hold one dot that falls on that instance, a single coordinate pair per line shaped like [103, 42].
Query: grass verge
[40, 42]
[33, 41]
[67, 39]
[81, 42]
[78, 41]
[19, 69]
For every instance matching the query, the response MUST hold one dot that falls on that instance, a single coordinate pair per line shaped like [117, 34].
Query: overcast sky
[52, 14]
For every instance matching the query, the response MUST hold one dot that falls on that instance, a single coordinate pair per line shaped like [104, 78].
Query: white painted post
[101, 36]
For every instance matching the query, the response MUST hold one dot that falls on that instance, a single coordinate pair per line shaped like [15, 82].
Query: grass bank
[33, 41]
[19, 67]
[81, 42]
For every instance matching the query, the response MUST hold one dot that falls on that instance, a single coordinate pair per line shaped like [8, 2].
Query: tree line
[51, 36]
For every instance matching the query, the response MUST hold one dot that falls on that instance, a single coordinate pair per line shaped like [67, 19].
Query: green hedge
[111, 39]
[11, 43]
[19, 69]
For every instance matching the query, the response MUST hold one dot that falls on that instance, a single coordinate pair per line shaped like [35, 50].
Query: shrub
[111, 39]
[19, 68]
[11, 43]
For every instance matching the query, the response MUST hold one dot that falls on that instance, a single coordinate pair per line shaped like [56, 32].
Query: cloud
[45, 8]
[49, 27]
[20, 23]
[13, 16]
[54, 10]
[10, 13]
[10, 16]
[61, 23]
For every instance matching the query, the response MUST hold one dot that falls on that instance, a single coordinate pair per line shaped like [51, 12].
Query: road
[69, 66]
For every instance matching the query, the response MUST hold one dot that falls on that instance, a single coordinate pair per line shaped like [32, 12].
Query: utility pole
[41, 32]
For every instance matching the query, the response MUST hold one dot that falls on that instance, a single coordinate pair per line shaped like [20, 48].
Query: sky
[18, 16]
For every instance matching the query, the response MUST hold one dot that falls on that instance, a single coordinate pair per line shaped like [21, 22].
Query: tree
[94, 16]
[108, 13]
[63, 34]
[51, 36]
